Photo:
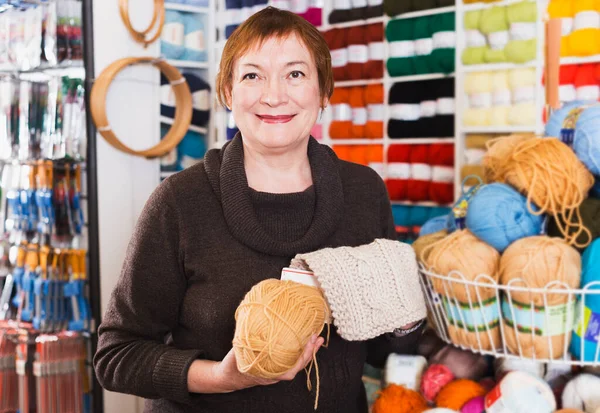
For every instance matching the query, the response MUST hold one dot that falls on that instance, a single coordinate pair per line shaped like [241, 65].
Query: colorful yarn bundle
[172, 39]
[498, 215]
[520, 392]
[374, 98]
[471, 311]
[194, 43]
[358, 51]
[478, 88]
[522, 83]
[441, 157]
[418, 186]
[582, 393]
[394, 8]
[563, 9]
[401, 53]
[458, 392]
[413, 217]
[424, 241]
[476, 405]
[434, 224]
[587, 81]
[584, 340]
[444, 43]
[398, 399]
[474, 153]
[373, 68]
[369, 155]
[398, 171]
[200, 90]
[337, 39]
[309, 9]
[359, 111]
[539, 262]
[529, 169]
[341, 114]
[522, 46]
[436, 377]
[584, 40]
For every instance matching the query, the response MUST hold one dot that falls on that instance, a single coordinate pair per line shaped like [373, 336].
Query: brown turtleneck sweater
[203, 240]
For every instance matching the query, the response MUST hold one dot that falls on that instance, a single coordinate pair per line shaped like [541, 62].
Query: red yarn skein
[358, 52]
[434, 379]
[338, 45]
[441, 157]
[420, 171]
[586, 83]
[374, 67]
[398, 172]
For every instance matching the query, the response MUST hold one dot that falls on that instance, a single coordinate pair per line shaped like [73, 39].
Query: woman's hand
[232, 379]
[224, 377]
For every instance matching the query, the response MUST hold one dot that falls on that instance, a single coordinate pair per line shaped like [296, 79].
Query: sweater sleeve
[379, 348]
[132, 356]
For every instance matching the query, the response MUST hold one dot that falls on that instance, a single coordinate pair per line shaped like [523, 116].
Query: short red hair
[267, 23]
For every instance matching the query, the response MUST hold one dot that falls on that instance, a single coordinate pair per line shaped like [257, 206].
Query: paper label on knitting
[398, 170]
[358, 53]
[566, 26]
[567, 93]
[523, 94]
[342, 112]
[543, 321]
[428, 108]
[359, 3]
[474, 156]
[423, 47]
[282, 4]
[522, 31]
[375, 112]
[475, 38]
[339, 57]
[587, 325]
[403, 48]
[443, 174]
[590, 92]
[405, 370]
[342, 5]
[376, 51]
[359, 116]
[405, 111]
[444, 40]
[445, 106]
[472, 318]
[480, 100]
[498, 40]
[173, 33]
[195, 41]
[375, 2]
[501, 98]
[378, 167]
[299, 6]
[300, 276]
[586, 20]
[420, 171]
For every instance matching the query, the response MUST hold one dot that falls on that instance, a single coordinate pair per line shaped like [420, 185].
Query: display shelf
[487, 67]
[361, 82]
[422, 204]
[356, 141]
[353, 23]
[188, 64]
[419, 141]
[428, 12]
[418, 78]
[45, 68]
[499, 129]
[186, 8]
[576, 60]
[193, 128]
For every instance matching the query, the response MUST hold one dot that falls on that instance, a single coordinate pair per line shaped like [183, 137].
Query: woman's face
[275, 96]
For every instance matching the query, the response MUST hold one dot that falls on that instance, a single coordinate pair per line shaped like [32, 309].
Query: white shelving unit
[580, 60]
[186, 64]
[187, 8]
[462, 70]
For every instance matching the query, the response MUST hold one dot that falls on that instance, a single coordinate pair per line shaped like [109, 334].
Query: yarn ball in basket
[424, 241]
[434, 379]
[530, 168]
[521, 393]
[457, 393]
[476, 405]
[583, 393]
[398, 399]
[274, 322]
[498, 215]
[539, 262]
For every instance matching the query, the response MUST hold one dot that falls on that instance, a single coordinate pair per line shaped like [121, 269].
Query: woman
[211, 232]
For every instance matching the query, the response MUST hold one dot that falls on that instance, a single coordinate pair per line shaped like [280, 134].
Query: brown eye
[296, 74]
[250, 76]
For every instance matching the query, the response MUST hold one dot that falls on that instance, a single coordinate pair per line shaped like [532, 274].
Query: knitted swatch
[371, 289]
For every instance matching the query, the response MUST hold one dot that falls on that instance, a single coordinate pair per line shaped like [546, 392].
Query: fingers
[309, 350]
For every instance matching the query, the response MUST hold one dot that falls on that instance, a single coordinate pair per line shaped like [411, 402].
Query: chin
[276, 140]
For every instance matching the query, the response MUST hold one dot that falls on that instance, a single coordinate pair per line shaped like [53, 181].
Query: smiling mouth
[275, 119]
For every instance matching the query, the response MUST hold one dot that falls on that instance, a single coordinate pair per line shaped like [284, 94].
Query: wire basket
[554, 324]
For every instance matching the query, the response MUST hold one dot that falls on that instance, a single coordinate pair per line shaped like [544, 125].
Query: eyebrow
[294, 63]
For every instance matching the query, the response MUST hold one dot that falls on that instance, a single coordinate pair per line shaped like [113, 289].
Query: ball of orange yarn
[399, 399]
[498, 151]
[455, 394]
[273, 324]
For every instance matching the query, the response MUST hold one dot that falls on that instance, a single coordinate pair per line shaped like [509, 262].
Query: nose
[274, 92]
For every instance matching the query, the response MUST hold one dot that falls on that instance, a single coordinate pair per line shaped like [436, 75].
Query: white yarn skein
[583, 392]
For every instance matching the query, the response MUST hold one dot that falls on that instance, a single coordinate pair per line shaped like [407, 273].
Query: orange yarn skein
[455, 394]
[398, 399]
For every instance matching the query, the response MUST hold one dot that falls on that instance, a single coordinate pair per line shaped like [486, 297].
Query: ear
[325, 102]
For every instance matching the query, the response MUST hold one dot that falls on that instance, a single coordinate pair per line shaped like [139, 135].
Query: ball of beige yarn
[273, 324]
[498, 152]
[423, 242]
[540, 262]
[472, 258]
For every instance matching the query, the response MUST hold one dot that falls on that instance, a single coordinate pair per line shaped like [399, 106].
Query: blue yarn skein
[498, 215]
[433, 225]
[195, 40]
[590, 264]
[173, 30]
[586, 139]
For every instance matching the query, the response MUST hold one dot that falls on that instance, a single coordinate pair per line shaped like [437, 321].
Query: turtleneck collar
[227, 176]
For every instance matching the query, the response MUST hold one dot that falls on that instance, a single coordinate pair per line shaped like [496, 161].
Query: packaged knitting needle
[33, 35]
[75, 30]
[62, 31]
[4, 35]
[23, 131]
[74, 119]
[49, 23]
[49, 129]
[6, 98]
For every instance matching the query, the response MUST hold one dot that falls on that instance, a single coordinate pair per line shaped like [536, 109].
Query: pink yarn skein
[476, 405]
[434, 378]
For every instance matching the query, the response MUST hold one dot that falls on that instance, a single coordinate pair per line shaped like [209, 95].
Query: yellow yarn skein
[274, 322]
[540, 262]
